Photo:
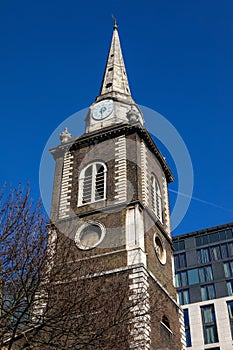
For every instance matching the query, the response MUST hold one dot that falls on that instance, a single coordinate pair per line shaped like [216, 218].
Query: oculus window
[160, 249]
[90, 235]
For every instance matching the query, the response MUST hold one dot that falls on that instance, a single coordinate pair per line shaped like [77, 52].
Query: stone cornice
[107, 133]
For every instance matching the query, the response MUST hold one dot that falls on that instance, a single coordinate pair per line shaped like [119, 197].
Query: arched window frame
[89, 184]
[156, 198]
[165, 321]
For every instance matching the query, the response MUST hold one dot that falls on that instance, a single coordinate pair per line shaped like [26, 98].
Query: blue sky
[178, 56]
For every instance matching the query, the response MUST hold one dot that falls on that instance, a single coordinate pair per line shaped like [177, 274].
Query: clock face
[102, 110]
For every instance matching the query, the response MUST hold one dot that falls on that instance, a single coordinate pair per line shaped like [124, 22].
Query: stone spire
[115, 83]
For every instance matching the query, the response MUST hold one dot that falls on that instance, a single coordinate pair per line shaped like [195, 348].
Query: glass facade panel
[187, 328]
[228, 268]
[206, 274]
[180, 260]
[230, 248]
[229, 234]
[193, 277]
[184, 297]
[203, 255]
[222, 235]
[217, 236]
[224, 251]
[215, 253]
[213, 237]
[209, 324]
[179, 245]
[181, 279]
[208, 292]
[198, 241]
[230, 287]
[230, 309]
[230, 312]
[211, 334]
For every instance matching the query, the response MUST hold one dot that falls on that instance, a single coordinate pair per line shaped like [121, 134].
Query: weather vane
[115, 21]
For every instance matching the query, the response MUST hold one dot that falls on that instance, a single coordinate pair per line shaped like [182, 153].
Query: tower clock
[111, 198]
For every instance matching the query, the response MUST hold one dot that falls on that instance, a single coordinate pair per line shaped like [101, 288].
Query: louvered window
[156, 198]
[92, 183]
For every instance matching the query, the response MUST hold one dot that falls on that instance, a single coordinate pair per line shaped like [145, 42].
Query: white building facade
[204, 281]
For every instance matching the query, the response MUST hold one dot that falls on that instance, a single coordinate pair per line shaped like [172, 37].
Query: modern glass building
[204, 281]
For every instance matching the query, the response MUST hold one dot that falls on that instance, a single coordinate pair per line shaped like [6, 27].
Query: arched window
[166, 321]
[156, 198]
[92, 183]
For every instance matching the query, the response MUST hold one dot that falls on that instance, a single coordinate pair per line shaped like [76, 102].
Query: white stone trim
[182, 330]
[64, 206]
[144, 175]
[84, 226]
[134, 236]
[163, 289]
[141, 321]
[93, 183]
[120, 170]
[166, 206]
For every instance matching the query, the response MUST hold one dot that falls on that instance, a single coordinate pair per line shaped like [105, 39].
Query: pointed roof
[115, 82]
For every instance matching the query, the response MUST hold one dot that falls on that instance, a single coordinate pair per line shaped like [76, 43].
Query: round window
[159, 249]
[89, 235]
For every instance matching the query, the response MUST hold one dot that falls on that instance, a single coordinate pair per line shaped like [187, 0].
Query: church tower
[110, 198]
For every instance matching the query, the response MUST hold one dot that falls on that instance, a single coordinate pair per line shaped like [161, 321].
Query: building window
[230, 312]
[214, 237]
[166, 321]
[179, 245]
[230, 249]
[156, 198]
[230, 287]
[208, 292]
[92, 183]
[180, 260]
[90, 235]
[166, 333]
[187, 328]
[224, 251]
[203, 255]
[215, 253]
[181, 279]
[184, 297]
[228, 268]
[193, 277]
[206, 274]
[209, 324]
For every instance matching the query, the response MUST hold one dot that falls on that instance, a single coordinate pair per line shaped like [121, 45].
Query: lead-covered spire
[115, 82]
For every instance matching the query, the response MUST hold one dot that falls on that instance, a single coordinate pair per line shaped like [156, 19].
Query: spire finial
[115, 22]
[115, 82]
